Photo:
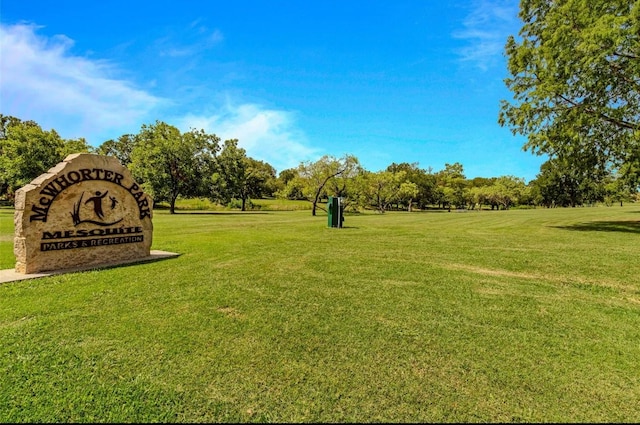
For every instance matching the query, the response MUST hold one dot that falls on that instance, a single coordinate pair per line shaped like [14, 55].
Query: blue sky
[402, 81]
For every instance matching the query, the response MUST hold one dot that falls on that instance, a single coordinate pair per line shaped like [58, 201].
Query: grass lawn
[492, 316]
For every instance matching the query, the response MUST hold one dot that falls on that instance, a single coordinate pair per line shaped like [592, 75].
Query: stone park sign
[85, 211]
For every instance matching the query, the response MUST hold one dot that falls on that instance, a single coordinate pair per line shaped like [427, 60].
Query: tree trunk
[315, 204]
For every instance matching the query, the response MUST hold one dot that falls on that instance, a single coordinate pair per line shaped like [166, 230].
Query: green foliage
[384, 188]
[313, 177]
[170, 164]
[511, 316]
[562, 183]
[575, 79]
[120, 148]
[454, 184]
[240, 177]
[287, 175]
[290, 185]
[508, 191]
[26, 151]
[424, 181]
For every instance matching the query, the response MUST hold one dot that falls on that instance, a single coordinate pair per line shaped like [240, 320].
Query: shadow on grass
[454, 210]
[222, 212]
[605, 226]
[10, 276]
[192, 212]
[125, 264]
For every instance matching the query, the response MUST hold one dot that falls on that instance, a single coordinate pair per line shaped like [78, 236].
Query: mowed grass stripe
[527, 315]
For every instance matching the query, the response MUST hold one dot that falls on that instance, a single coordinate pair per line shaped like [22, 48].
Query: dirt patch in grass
[17, 323]
[571, 280]
[491, 272]
[230, 312]
[496, 272]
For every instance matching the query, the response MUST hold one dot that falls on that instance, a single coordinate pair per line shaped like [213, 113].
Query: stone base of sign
[10, 275]
[85, 211]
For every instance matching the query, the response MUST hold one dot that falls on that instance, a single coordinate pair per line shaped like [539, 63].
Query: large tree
[171, 164]
[564, 182]
[575, 79]
[507, 191]
[424, 180]
[313, 177]
[238, 176]
[26, 151]
[453, 184]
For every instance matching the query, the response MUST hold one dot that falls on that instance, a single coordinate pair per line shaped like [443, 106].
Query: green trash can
[335, 215]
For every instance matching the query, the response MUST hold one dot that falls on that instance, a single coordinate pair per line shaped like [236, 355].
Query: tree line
[167, 162]
[574, 72]
[194, 164]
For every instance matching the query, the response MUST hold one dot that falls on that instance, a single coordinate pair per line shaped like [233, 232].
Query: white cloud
[486, 29]
[266, 134]
[41, 80]
[202, 39]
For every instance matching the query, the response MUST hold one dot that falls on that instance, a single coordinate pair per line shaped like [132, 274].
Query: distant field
[492, 316]
[270, 204]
